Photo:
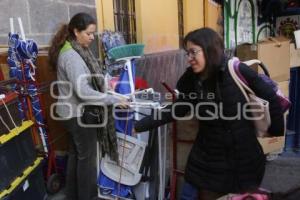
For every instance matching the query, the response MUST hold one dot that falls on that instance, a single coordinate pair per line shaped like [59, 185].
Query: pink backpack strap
[236, 65]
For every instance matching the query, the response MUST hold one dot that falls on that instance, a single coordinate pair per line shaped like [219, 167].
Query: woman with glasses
[226, 156]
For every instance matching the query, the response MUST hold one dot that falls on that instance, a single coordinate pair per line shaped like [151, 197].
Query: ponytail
[57, 43]
[80, 22]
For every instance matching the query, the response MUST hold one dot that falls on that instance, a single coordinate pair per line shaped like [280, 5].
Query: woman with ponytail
[57, 43]
[81, 82]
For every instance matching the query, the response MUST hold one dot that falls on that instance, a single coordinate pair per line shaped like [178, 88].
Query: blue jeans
[188, 192]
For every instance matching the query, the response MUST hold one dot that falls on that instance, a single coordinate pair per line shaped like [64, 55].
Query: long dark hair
[212, 45]
[80, 22]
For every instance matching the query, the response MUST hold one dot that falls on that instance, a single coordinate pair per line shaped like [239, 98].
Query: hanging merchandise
[270, 9]
[22, 55]
[240, 23]
[110, 40]
[286, 25]
[243, 22]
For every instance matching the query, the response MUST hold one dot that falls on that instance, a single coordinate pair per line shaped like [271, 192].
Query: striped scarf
[107, 134]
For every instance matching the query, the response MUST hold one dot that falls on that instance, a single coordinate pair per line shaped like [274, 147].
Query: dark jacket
[226, 155]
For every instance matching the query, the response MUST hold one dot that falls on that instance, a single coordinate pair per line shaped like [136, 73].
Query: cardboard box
[272, 144]
[284, 87]
[274, 53]
[247, 52]
[3, 65]
[294, 56]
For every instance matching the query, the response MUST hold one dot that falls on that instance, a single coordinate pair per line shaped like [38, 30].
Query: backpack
[283, 100]
[259, 107]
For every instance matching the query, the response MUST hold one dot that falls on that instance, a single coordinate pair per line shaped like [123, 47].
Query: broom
[128, 50]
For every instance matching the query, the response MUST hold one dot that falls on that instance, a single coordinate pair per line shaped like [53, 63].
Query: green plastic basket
[127, 50]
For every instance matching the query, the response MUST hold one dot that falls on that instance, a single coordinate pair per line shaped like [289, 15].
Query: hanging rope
[123, 152]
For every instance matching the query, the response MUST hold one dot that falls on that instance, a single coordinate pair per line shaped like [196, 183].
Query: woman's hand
[134, 131]
[124, 104]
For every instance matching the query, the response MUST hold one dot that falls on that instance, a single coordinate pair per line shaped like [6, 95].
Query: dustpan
[130, 160]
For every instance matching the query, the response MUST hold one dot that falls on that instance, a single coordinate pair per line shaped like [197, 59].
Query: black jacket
[226, 155]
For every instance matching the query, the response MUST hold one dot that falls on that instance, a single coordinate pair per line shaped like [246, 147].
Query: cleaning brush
[127, 50]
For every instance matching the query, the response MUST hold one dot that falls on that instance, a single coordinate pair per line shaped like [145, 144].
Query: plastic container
[32, 188]
[130, 161]
[15, 156]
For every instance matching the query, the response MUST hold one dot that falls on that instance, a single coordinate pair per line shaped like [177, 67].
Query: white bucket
[130, 161]
[297, 38]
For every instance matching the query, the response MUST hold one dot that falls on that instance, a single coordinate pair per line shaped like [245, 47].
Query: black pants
[209, 195]
[81, 180]
[190, 192]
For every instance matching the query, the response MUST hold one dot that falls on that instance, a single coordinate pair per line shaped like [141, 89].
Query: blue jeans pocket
[189, 192]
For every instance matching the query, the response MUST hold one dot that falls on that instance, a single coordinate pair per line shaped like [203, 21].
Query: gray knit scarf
[106, 135]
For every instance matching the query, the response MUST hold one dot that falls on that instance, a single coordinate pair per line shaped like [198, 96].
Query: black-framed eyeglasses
[192, 53]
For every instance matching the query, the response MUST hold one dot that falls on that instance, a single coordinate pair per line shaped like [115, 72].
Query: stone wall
[41, 18]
